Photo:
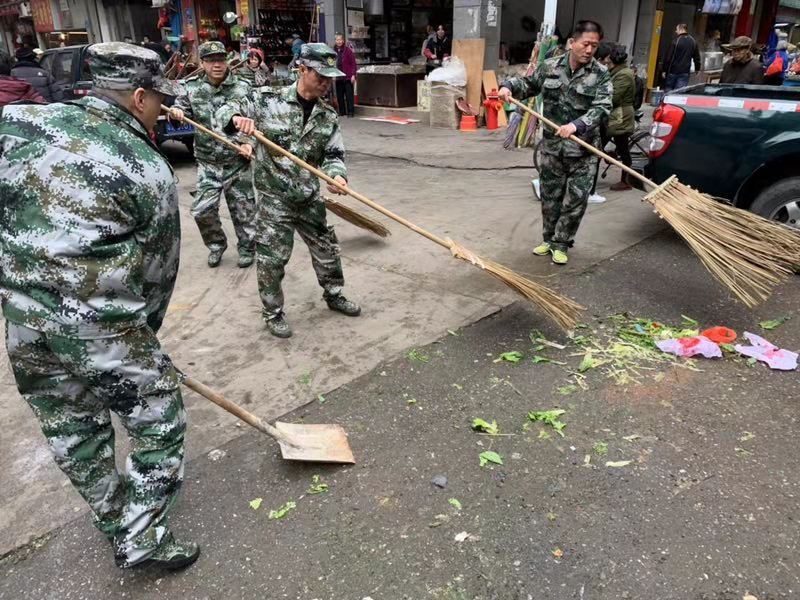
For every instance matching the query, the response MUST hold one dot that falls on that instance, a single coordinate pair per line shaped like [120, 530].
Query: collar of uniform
[289, 93]
[587, 67]
[107, 106]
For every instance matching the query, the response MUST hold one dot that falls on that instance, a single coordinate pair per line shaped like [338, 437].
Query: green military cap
[321, 58]
[211, 49]
[121, 66]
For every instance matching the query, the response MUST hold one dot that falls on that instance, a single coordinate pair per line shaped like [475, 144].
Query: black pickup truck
[69, 68]
[740, 143]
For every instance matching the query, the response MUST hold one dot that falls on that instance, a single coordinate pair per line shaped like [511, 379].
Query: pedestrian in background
[437, 49]
[254, 71]
[576, 91]
[29, 69]
[346, 63]
[682, 51]
[13, 89]
[742, 67]
[776, 65]
[621, 121]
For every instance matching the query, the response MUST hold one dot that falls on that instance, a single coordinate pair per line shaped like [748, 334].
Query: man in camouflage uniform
[89, 244]
[219, 169]
[287, 196]
[577, 95]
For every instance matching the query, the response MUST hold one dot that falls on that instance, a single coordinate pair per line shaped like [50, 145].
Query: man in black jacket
[743, 67]
[681, 53]
[30, 70]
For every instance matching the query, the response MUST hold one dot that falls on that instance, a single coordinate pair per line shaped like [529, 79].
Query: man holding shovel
[218, 169]
[287, 196]
[577, 95]
[89, 244]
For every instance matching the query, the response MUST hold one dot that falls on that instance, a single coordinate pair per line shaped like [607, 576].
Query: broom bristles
[356, 218]
[749, 254]
[561, 309]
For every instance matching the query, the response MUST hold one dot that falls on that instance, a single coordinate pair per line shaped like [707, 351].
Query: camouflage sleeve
[234, 107]
[525, 87]
[182, 102]
[601, 106]
[333, 157]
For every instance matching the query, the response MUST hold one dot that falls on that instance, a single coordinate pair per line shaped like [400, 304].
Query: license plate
[185, 128]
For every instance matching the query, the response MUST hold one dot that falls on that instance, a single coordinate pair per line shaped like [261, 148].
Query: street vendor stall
[393, 85]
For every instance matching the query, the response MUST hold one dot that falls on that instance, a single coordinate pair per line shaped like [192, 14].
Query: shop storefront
[280, 19]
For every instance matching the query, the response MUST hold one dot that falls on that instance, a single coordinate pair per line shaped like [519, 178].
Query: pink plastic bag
[691, 346]
[761, 349]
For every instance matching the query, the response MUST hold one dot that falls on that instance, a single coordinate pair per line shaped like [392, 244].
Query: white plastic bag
[453, 72]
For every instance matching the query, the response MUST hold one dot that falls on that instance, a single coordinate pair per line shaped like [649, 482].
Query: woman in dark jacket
[346, 63]
[621, 122]
[30, 70]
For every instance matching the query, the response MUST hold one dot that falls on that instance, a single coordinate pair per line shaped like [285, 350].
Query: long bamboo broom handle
[220, 138]
[360, 197]
[587, 145]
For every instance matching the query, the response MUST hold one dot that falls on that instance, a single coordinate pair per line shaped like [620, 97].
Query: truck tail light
[666, 121]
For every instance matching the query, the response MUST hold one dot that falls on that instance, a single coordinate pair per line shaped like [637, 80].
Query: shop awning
[9, 9]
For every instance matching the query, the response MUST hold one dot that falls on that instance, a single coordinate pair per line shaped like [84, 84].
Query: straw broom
[749, 254]
[350, 215]
[562, 310]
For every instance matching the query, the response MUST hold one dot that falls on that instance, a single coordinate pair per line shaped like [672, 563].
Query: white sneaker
[596, 199]
[536, 189]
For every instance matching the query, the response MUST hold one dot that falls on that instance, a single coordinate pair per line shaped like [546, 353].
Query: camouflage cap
[121, 66]
[321, 58]
[211, 49]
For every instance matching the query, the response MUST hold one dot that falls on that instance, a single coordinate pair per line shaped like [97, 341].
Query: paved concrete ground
[411, 290]
[706, 508]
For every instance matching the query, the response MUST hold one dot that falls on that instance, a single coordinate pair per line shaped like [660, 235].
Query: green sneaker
[560, 257]
[173, 555]
[542, 249]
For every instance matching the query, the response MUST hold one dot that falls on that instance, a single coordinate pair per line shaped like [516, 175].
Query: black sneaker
[343, 305]
[173, 555]
[214, 258]
[245, 260]
[279, 327]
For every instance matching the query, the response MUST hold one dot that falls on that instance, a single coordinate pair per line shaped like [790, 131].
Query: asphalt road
[705, 509]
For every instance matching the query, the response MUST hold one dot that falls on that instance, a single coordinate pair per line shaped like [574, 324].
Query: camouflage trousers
[235, 181]
[565, 185]
[72, 385]
[277, 223]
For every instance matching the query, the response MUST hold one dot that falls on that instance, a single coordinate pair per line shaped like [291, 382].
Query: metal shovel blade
[315, 443]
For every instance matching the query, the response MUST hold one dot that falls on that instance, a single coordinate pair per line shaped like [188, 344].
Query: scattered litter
[720, 335]
[418, 356]
[390, 119]
[516, 456]
[747, 436]
[587, 460]
[411, 401]
[486, 427]
[543, 435]
[742, 451]
[282, 511]
[453, 333]
[618, 463]
[773, 323]
[631, 438]
[464, 536]
[566, 390]
[317, 487]
[457, 386]
[690, 346]
[489, 456]
[440, 520]
[439, 481]
[600, 448]
[558, 553]
[749, 597]
[761, 349]
[255, 503]
[455, 503]
[216, 454]
[551, 516]
[512, 357]
[321, 399]
[588, 363]
[549, 417]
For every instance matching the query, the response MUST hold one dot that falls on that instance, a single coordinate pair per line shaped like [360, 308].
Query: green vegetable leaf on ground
[540, 359]
[600, 448]
[689, 322]
[490, 457]
[418, 356]
[454, 502]
[317, 487]
[255, 503]
[588, 363]
[512, 357]
[566, 390]
[486, 427]
[549, 417]
[282, 511]
[773, 323]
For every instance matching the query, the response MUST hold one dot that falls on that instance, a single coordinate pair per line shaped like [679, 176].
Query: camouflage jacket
[89, 223]
[582, 98]
[279, 116]
[200, 101]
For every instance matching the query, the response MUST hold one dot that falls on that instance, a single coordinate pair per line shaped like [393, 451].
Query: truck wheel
[781, 202]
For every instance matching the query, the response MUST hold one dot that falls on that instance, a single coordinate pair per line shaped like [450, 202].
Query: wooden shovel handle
[220, 138]
[347, 190]
[586, 145]
[236, 410]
